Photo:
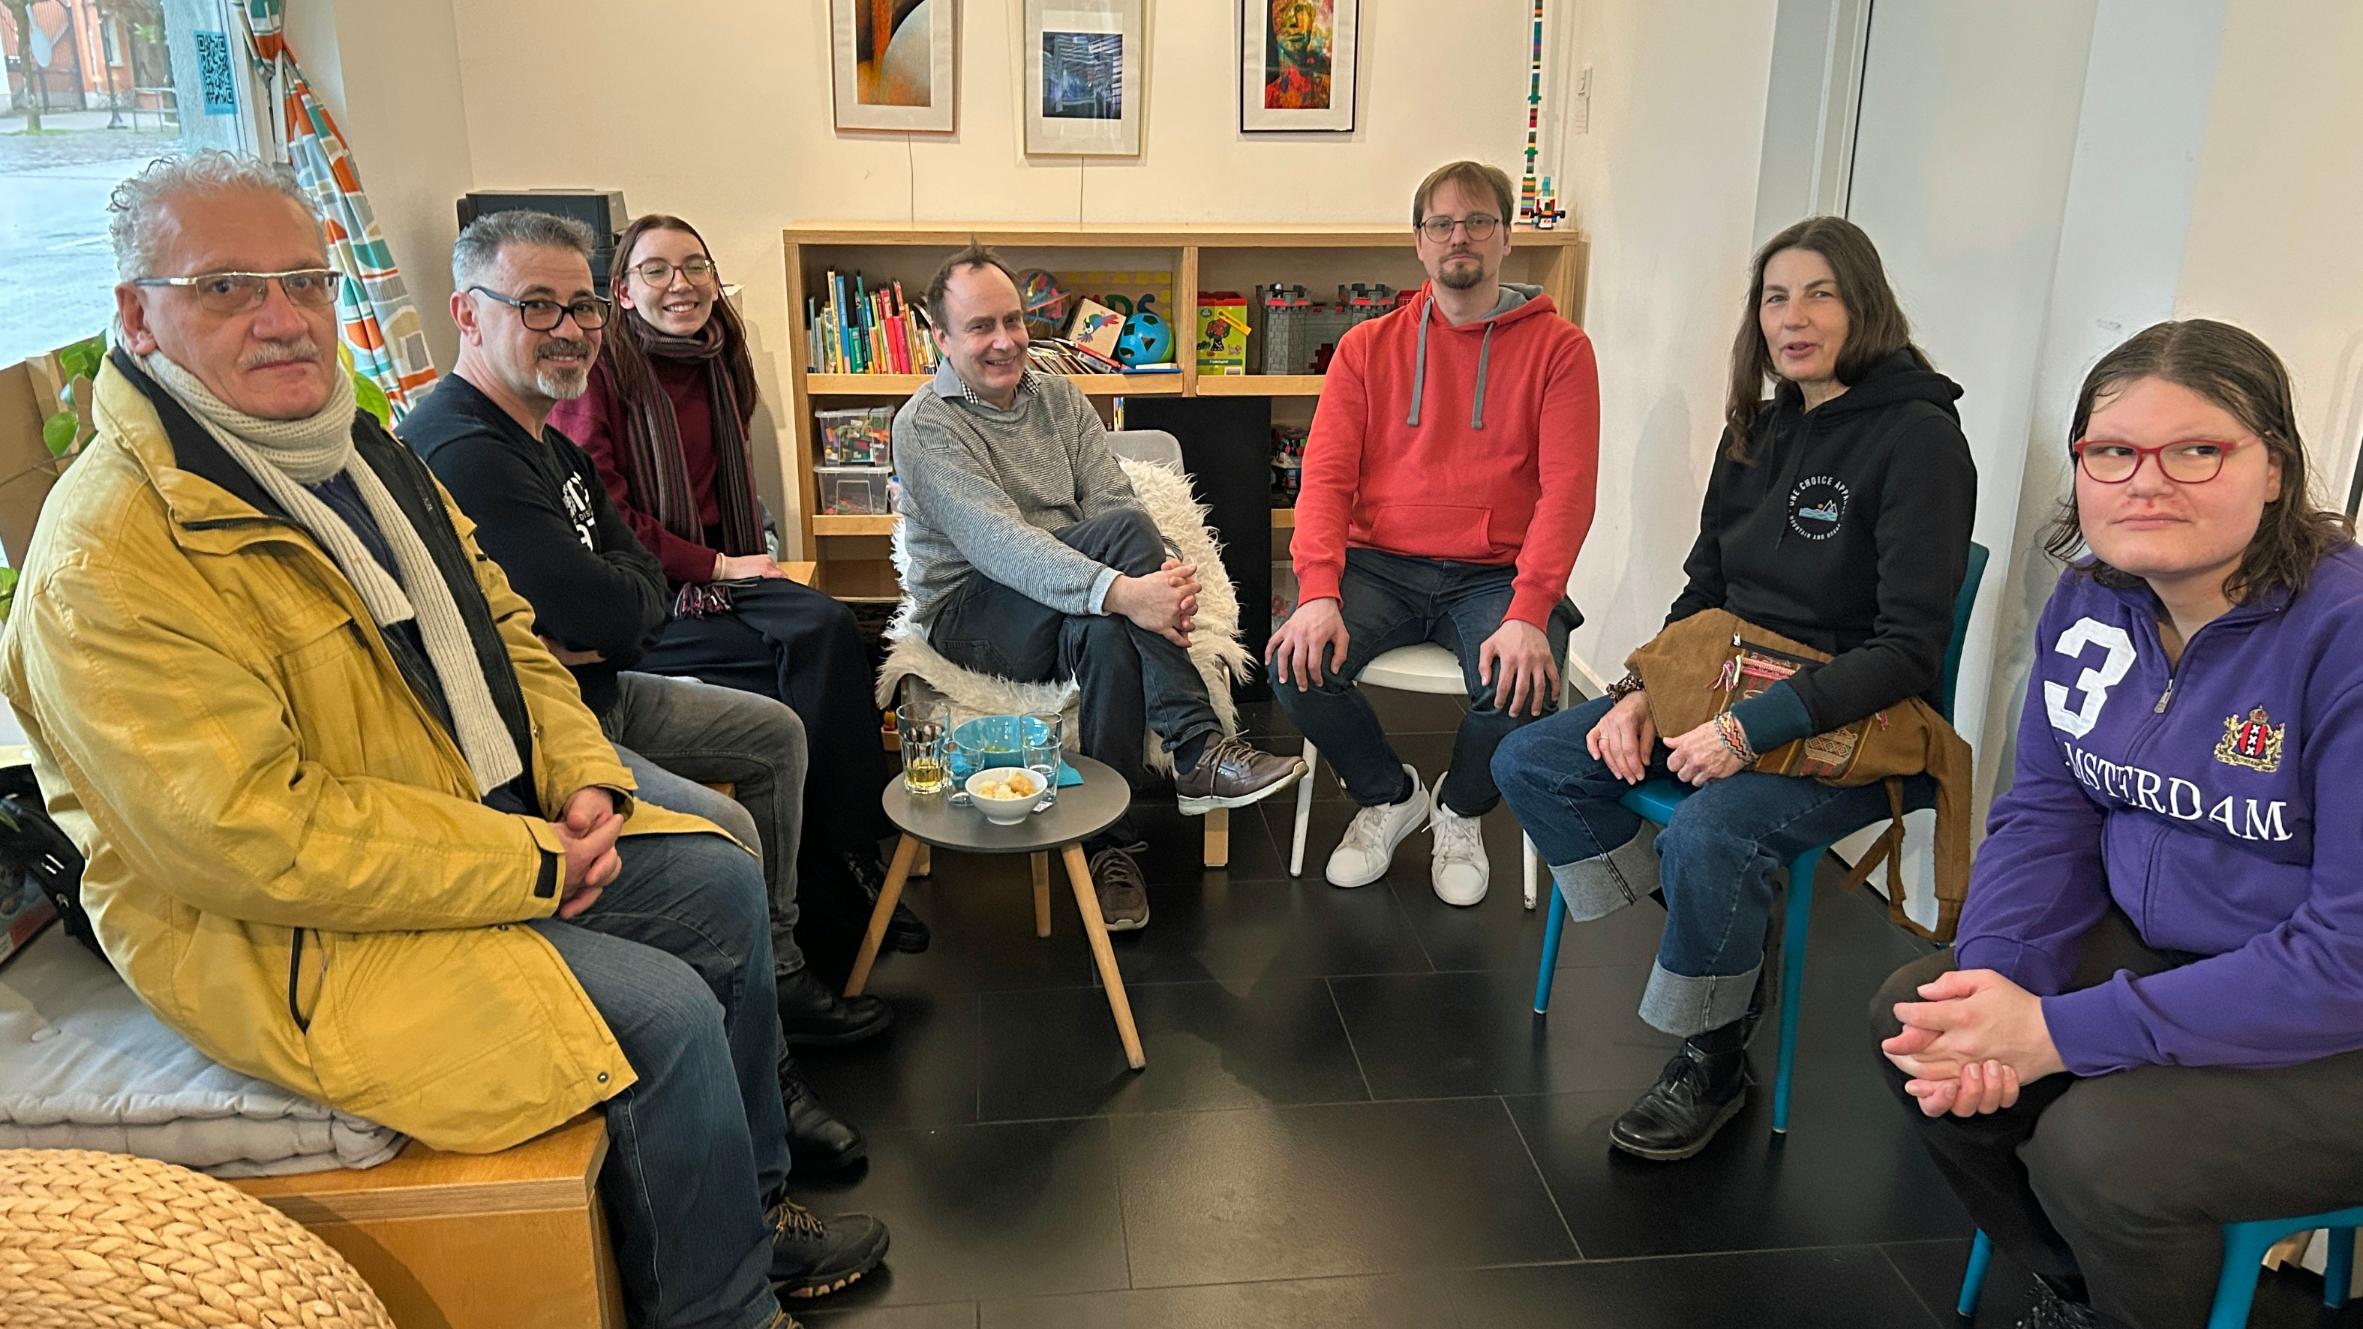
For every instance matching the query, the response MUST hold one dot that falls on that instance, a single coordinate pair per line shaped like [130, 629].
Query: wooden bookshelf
[851, 551]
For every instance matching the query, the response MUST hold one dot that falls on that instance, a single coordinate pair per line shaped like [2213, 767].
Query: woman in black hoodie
[1837, 514]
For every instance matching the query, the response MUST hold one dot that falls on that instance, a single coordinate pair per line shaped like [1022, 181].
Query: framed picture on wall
[1298, 61]
[1083, 92]
[891, 63]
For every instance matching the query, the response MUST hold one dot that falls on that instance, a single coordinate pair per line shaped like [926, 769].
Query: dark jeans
[797, 645]
[680, 736]
[676, 956]
[2118, 1185]
[1719, 862]
[1392, 600]
[1132, 680]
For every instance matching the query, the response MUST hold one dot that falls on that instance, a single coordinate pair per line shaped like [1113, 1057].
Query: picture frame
[1084, 90]
[1299, 65]
[892, 64]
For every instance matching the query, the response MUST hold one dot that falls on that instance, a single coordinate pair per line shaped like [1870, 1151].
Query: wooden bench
[513, 1240]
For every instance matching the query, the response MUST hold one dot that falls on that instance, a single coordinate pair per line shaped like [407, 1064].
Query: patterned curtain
[382, 335]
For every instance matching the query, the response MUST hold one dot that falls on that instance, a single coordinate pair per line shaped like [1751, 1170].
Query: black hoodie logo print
[1817, 505]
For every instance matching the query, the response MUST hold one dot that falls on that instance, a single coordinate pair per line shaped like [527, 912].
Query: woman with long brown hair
[666, 419]
[1837, 515]
[2152, 1021]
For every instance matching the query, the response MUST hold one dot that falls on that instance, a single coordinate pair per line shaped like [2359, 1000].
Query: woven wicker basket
[104, 1239]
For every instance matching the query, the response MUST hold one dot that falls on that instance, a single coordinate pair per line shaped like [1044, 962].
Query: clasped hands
[1973, 1042]
[587, 829]
[1164, 602]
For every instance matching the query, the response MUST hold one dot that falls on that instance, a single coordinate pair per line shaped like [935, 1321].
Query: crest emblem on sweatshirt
[1816, 506]
[2253, 742]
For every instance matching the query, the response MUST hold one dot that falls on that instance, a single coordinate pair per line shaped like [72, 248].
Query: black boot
[812, 1256]
[904, 931]
[820, 1143]
[1704, 1086]
[811, 1014]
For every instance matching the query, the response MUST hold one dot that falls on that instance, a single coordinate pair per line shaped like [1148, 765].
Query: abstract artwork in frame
[891, 62]
[1084, 93]
[1298, 61]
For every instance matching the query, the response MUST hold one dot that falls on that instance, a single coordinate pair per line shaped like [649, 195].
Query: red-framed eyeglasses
[2188, 461]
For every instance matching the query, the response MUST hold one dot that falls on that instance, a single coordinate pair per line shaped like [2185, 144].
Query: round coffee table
[1082, 811]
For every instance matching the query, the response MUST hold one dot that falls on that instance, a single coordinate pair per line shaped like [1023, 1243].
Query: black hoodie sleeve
[1927, 504]
[609, 601]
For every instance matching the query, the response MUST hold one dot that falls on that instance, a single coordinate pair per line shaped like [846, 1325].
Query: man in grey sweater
[1031, 559]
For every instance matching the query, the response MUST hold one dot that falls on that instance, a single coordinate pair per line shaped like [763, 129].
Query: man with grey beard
[530, 328]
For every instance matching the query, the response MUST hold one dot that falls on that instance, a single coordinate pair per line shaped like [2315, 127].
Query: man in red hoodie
[1448, 484]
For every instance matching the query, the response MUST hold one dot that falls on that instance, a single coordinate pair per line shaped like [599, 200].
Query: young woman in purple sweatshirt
[2152, 1021]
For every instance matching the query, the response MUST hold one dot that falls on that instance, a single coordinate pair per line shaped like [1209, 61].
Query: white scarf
[284, 456]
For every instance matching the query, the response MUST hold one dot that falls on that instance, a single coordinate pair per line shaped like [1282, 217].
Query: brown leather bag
[1701, 666]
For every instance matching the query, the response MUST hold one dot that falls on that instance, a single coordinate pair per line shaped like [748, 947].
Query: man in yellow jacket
[349, 826]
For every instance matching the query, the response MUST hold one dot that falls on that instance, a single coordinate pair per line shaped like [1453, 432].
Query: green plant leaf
[372, 398]
[7, 594]
[59, 431]
[83, 358]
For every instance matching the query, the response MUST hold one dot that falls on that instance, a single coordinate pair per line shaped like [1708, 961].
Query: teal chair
[1657, 799]
[2245, 1245]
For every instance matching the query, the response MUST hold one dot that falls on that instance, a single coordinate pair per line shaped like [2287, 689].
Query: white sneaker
[1368, 846]
[1460, 872]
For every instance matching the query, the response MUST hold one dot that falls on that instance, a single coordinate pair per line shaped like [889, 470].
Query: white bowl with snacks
[1005, 794]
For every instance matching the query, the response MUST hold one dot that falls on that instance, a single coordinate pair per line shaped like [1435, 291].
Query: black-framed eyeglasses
[1478, 225]
[2189, 461]
[659, 272]
[538, 315]
[237, 292]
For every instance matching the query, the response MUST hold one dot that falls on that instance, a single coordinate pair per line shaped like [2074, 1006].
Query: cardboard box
[1222, 332]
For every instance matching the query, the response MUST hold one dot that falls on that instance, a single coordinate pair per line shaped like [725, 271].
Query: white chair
[1429, 668]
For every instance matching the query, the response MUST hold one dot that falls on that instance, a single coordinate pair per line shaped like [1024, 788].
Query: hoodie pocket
[1433, 530]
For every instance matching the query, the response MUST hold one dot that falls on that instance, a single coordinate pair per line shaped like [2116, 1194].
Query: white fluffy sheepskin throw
[1214, 642]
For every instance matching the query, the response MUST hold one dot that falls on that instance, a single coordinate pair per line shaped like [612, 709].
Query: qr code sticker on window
[213, 73]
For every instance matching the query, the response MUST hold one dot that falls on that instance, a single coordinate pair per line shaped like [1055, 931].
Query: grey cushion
[84, 1065]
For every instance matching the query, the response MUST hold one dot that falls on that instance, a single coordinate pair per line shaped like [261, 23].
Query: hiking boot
[1368, 846]
[1459, 871]
[2053, 1311]
[812, 1257]
[820, 1143]
[811, 1014]
[1232, 774]
[1704, 1086]
[1123, 891]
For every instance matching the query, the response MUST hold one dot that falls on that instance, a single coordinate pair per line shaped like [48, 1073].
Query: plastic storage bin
[854, 491]
[857, 436]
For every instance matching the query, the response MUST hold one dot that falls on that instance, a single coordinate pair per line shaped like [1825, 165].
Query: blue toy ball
[1147, 340]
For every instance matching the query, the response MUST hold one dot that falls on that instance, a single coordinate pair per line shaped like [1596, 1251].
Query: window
[109, 84]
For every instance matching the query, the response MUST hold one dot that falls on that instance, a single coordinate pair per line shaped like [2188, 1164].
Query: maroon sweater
[597, 421]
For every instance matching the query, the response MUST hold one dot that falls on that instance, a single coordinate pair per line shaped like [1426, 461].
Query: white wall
[2274, 245]
[1664, 182]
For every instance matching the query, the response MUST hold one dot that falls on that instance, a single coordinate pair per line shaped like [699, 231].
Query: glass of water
[1041, 737]
[922, 726]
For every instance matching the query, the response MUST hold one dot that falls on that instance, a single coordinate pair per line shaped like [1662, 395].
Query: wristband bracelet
[1624, 687]
[1734, 736]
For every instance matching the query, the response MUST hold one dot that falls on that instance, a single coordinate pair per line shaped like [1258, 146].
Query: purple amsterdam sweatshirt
[2205, 799]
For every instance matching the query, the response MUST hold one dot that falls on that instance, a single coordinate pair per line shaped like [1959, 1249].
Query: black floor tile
[997, 1210]
[944, 1315]
[922, 1072]
[1388, 1302]
[1848, 1172]
[1210, 1045]
[1446, 1035]
[981, 910]
[1176, 853]
[1311, 1192]
[1232, 930]
[1850, 1288]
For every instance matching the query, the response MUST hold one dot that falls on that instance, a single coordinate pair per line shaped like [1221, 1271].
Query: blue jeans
[679, 735]
[1718, 861]
[1391, 600]
[676, 956]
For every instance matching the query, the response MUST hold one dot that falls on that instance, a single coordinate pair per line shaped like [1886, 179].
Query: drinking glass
[1041, 736]
[922, 726]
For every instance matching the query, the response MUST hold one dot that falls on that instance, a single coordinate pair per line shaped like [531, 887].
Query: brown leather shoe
[1231, 774]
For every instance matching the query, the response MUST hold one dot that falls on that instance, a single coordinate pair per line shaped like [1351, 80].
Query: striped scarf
[285, 456]
[659, 475]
